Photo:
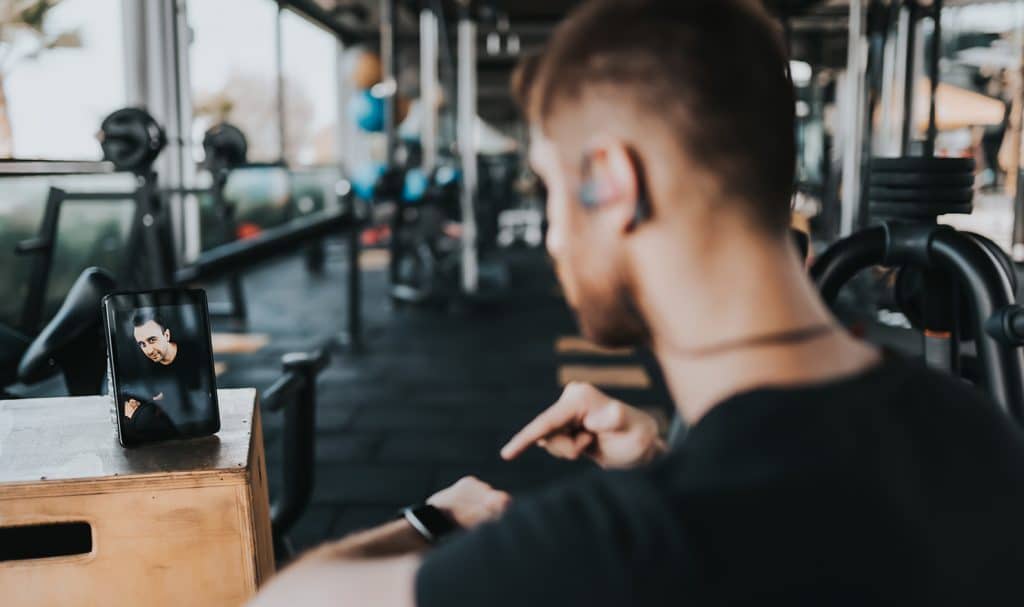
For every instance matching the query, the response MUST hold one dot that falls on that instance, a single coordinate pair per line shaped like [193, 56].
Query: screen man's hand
[586, 421]
[130, 406]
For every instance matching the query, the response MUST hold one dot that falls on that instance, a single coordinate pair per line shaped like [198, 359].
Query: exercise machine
[131, 141]
[957, 288]
[71, 343]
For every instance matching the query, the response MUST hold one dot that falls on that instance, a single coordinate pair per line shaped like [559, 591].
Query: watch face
[430, 522]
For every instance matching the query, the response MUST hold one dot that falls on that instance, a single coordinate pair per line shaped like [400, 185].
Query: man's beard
[613, 321]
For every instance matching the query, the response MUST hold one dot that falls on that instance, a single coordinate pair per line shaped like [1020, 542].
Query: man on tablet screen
[171, 375]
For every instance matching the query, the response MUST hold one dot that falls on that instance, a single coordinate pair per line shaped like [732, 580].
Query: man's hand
[130, 407]
[585, 421]
[470, 502]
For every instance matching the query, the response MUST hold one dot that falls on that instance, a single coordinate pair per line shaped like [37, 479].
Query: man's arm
[377, 567]
[396, 538]
[329, 581]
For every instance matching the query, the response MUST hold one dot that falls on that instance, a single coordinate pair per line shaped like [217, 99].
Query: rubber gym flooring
[434, 396]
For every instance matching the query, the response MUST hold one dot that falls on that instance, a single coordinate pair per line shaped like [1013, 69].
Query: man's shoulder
[911, 382]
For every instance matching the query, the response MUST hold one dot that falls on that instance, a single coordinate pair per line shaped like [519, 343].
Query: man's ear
[167, 334]
[616, 181]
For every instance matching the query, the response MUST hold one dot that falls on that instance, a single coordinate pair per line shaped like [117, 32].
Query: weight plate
[923, 165]
[131, 139]
[926, 195]
[902, 209]
[225, 147]
[917, 180]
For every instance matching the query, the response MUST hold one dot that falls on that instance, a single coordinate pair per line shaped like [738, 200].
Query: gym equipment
[71, 343]
[225, 148]
[295, 393]
[174, 523]
[131, 139]
[424, 263]
[147, 260]
[954, 286]
[150, 261]
[366, 70]
[365, 178]
[367, 111]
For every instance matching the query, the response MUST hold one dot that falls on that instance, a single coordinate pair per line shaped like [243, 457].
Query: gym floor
[436, 393]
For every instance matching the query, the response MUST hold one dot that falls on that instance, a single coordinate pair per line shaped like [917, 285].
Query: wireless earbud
[588, 194]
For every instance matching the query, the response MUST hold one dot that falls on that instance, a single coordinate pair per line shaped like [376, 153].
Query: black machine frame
[975, 269]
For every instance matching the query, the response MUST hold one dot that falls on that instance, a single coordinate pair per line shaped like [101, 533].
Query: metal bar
[1014, 175]
[32, 313]
[428, 88]
[312, 10]
[354, 293]
[984, 282]
[843, 260]
[297, 453]
[299, 436]
[934, 74]
[104, 196]
[853, 119]
[907, 134]
[282, 392]
[282, 128]
[389, 65]
[341, 125]
[28, 168]
[467, 148]
[234, 256]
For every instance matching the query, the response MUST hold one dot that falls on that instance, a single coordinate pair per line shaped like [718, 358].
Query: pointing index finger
[557, 417]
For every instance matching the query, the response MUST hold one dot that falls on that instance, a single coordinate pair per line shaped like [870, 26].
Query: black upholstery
[80, 316]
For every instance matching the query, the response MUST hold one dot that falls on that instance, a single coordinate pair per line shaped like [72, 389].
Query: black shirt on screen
[894, 486]
[165, 393]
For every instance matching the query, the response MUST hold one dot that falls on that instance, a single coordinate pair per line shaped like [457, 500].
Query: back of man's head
[712, 73]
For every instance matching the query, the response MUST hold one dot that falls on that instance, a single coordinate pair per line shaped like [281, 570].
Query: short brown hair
[715, 71]
[523, 77]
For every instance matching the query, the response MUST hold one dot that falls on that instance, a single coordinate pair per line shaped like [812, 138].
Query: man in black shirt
[814, 472]
[167, 383]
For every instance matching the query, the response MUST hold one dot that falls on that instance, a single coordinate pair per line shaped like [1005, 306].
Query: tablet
[160, 361]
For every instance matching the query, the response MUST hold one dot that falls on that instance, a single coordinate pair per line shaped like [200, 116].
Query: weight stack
[919, 189]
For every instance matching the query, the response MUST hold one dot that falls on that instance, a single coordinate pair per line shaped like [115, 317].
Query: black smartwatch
[429, 522]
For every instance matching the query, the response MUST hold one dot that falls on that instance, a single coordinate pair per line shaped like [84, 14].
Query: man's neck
[172, 356]
[748, 290]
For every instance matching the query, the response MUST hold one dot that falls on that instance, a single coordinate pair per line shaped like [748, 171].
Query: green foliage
[34, 13]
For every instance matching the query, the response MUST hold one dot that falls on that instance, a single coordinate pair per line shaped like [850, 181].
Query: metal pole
[428, 89]
[1013, 172]
[853, 119]
[282, 128]
[353, 296]
[933, 72]
[908, 78]
[468, 148]
[389, 65]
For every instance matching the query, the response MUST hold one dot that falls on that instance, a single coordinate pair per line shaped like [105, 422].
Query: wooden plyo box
[176, 523]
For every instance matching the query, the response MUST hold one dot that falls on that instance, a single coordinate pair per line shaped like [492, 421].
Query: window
[99, 231]
[233, 71]
[60, 79]
[309, 58]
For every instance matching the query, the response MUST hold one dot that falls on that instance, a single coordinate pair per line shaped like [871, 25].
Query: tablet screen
[161, 365]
